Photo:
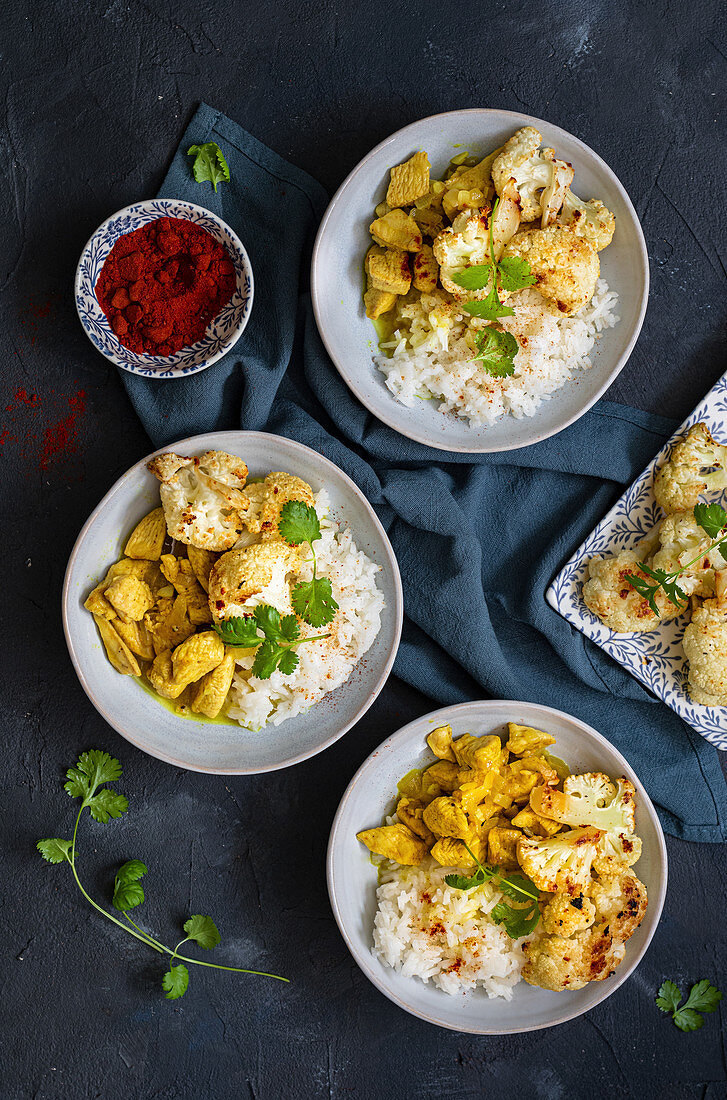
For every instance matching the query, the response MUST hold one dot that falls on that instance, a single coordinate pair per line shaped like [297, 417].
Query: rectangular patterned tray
[656, 658]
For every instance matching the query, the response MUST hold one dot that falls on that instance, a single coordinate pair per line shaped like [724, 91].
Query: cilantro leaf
[515, 273]
[475, 277]
[92, 769]
[288, 662]
[467, 882]
[203, 931]
[238, 630]
[209, 164]
[266, 659]
[54, 849]
[687, 1019]
[518, 887]
[712, 518]
[497, 351]
[298, 522]
[289, 628]
[516, 922]
[490, 308]
[128, 892]
[313, 601]
[669, 997]
[106, 804]
[723, 550]
[268, 619]
[175, 982]
[703, 997]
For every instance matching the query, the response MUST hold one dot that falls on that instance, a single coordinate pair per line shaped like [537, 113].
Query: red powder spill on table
[45, 439]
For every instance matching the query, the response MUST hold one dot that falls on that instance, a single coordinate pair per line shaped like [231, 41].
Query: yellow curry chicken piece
[168, 623]
[409, 181]
[147, 538]
[211, 691]
[395, 842]
[180, 574]
[130, 597]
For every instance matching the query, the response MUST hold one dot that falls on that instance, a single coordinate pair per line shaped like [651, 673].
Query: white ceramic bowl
[352, 879]
[223, 331]
[224, 748]
[337, 280]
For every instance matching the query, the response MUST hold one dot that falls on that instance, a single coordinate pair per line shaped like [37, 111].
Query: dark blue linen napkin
[478, 539]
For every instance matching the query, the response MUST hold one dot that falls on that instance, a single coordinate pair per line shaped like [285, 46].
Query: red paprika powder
[162, 284]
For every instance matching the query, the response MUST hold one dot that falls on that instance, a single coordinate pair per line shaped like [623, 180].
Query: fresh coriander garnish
[276, 637]
[516, 920]
[511, 273]
[703, 997]
[496, 352]
[209, 164]
[312, 600]
[86, 781]
[712, 518]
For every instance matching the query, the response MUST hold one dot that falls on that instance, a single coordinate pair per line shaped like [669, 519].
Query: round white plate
[212, 746]
[337, 280]
[352, 878]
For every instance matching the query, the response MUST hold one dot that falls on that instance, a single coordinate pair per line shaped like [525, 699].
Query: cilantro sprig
[703, 998]
[497, 350]
[276, 637]
[313, 600]
[517, 920]
[712, 518]
[87, 781]
[209, 164]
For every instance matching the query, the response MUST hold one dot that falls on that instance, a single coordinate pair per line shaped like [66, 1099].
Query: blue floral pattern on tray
[656, 658]
[222, 331]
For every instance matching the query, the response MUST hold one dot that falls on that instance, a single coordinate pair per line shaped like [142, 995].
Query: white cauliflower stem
[540, 180]
[202, 497]
[588, 799]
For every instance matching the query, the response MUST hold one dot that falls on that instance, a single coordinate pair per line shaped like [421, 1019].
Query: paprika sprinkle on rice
[162, 284]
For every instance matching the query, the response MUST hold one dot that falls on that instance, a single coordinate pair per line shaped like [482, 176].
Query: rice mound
[425, 929]
[326, 664]
[431, 354]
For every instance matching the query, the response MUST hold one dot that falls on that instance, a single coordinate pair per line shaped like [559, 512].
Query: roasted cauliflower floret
[397, 230]
[564, 915]
[541, 181]
[395, 842]
[409, 181]
[682, 540]
[608, 594]
[565, 266]
[697, 465]
[620, 903]
[561, 863]
[557, 963]
[616, 852]
[147, 538]
[387, 269]
[589, 799]
[590, 220]
[705, 647]
[202, 497]
[465, 243]
[279, 489]
[130, 598]
[259, 570]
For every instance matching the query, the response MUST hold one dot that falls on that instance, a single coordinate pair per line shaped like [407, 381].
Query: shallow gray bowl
[337, 280]
[352, 879]
[224, 748]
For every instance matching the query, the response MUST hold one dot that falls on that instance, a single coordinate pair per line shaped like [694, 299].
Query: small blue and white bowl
[223, 331]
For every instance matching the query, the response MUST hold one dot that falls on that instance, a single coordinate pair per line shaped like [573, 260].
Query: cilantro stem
[668, 578]
[496, 874]
[235, 969]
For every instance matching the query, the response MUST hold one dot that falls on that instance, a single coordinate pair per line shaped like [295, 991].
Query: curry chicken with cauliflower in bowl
[237, 600]
[497, 864]
[485, 285]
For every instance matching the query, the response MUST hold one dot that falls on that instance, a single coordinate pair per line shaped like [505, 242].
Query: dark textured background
[94, 97]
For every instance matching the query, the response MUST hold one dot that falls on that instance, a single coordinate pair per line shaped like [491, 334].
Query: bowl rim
[171, 371]
[421, 436]
[372, 968]
[117, 724]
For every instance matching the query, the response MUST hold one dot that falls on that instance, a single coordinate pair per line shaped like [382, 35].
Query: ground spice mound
[162, 284]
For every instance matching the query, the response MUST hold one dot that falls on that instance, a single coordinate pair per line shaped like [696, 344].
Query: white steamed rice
[326, 664]
[425, 929]
[431, 355]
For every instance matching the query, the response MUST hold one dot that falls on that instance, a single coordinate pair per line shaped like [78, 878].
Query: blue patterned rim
[223, 330]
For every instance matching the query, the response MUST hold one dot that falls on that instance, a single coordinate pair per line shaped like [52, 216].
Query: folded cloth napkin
[478, 538]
